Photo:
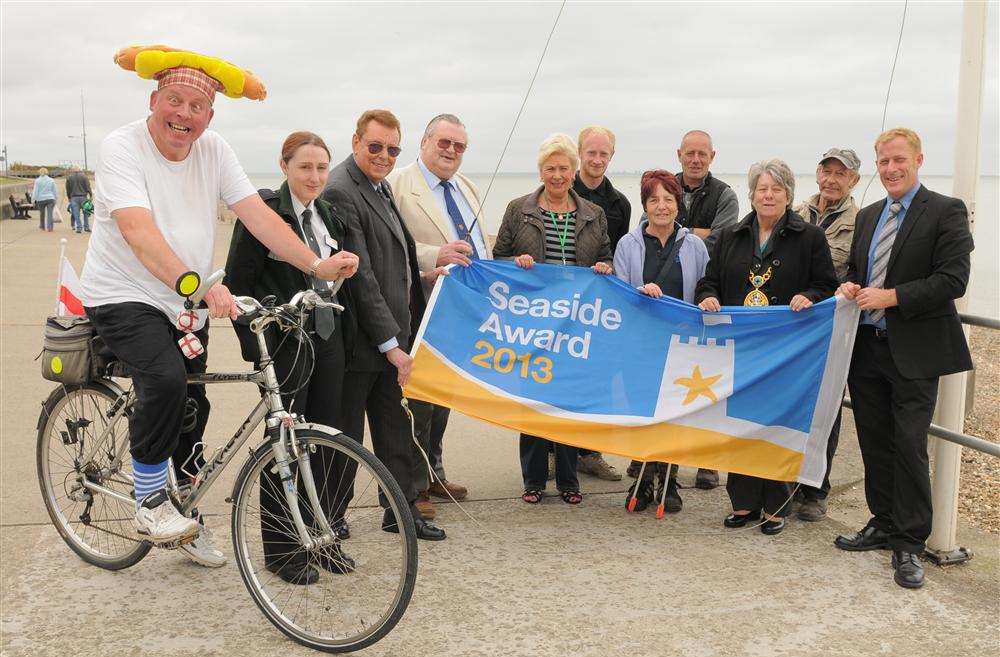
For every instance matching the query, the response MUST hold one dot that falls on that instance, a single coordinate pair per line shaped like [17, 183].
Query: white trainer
[203, 552]
[158, 519]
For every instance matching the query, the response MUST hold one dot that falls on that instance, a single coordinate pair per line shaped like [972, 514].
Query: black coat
[385, 307]
[929, 268]
[799, 259]
[251, 271]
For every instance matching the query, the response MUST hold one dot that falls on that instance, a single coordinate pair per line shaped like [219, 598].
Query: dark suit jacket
[384, 307]
[252, 271]
[799, 259]
[929, 268]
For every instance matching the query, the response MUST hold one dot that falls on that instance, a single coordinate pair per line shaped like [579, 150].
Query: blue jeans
[43, 207]
[74, 212]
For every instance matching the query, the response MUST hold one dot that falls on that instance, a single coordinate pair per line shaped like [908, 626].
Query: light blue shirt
[905, 201]
[44, 189]
[464, 208]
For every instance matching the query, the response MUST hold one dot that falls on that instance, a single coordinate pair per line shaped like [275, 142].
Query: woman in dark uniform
[771, 258]
[252, 270]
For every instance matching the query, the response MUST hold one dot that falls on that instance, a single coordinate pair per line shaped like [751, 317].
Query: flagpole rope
[517, 118]
[885, 107]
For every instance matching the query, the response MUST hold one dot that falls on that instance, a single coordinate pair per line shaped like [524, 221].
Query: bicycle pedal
[176, 543]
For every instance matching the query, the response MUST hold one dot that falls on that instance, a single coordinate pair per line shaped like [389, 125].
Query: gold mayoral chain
[756, 298]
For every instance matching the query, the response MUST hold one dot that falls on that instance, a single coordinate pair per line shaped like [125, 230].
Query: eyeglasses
[375, 148]
[445, 144]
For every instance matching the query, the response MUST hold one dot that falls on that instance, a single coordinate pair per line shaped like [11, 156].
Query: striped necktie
[880, 262]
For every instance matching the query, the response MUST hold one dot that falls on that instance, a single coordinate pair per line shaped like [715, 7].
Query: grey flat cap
[845, 156]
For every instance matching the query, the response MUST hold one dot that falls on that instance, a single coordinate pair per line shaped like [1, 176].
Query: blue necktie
[457, 219]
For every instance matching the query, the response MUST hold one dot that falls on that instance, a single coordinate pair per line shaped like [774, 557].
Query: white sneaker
[203, 552]
[159, 519]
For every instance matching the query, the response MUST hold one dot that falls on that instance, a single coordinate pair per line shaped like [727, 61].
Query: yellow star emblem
[697, 385]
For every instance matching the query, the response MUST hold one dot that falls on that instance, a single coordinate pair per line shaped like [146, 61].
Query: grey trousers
[430, 421]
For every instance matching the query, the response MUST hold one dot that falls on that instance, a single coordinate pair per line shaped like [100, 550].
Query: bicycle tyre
[108, 541]
[246, 534]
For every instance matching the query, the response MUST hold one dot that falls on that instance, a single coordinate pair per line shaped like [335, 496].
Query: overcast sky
[765, 79]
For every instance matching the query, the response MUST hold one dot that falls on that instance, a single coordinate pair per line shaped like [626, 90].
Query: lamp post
[83, 136]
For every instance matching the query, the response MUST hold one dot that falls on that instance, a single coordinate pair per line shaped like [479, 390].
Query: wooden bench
[20, 208]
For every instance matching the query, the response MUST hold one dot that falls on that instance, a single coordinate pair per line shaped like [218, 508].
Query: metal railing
[965, 440]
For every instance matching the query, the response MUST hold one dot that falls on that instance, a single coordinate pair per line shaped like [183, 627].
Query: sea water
[984, 288]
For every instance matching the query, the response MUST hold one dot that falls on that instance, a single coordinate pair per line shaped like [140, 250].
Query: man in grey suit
[389, 302]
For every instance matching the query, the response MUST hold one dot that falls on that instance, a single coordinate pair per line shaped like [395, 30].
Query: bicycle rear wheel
[339, 612]
[70, 450]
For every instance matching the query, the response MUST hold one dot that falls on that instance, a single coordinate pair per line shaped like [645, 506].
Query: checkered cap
[192, 77]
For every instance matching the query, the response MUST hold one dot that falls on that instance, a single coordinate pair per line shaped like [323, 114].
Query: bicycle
[84, 471]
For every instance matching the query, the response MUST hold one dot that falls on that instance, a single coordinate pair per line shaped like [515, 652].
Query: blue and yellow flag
[587, 360]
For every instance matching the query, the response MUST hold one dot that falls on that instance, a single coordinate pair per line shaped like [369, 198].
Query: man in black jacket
[389, 302]
[597, 146]
[910, 259]
[709, 206]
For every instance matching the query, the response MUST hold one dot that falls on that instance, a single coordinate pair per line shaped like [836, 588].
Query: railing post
[942, 546]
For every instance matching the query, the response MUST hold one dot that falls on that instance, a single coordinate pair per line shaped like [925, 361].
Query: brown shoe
[706, 479]
[457, 491]
[425, 507]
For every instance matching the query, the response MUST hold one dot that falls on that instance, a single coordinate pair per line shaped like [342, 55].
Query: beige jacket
[431, 228]
[839, 233]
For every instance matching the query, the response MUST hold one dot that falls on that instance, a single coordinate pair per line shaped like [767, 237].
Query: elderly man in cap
[158, 184]
[832, 209]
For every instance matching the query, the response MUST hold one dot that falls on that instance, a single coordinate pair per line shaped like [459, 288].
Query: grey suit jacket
[385, 306]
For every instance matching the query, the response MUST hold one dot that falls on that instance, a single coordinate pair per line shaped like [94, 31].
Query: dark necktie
[883, 249]
[457, 219]
[322, 317]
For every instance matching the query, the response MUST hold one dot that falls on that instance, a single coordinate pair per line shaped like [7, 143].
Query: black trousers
[378, 395]
[811, 492]
[431, 421]
[316, 397]
[753, 493]
[893, 415]
[535, 464]
[143, 338]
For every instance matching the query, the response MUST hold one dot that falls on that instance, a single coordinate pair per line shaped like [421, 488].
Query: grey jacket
[838, 234]
[522, 230]
[630, 256]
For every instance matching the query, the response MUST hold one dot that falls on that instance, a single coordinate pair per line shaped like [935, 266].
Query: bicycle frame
[280, 429]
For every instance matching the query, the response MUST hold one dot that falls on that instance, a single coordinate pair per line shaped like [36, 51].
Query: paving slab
[513, 580]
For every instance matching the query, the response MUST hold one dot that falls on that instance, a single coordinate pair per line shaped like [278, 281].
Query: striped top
[560, 237]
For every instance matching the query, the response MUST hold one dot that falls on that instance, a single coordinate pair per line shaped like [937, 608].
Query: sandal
[532, 496]
[571, 496]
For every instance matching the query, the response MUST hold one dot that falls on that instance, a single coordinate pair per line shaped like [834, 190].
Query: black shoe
[706, 479]
[734, 521]
[643, 498]
[772, 527]
[427, 531]
[909, 573]
[673, 502]
[341, 529]
[295, 572]
[336, 561]
[869, 538]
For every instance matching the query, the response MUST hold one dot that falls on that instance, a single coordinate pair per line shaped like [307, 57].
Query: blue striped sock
[148, 479]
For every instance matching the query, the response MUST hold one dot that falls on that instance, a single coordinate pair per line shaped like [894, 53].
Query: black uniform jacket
[929, 268]
[797, 254]
[252, 270]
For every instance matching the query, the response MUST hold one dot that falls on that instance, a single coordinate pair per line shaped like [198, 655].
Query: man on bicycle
[158, 184]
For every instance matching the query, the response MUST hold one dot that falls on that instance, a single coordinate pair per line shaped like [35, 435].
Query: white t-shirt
[183, 198]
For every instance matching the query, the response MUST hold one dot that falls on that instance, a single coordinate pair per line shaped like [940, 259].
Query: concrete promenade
[519, 580]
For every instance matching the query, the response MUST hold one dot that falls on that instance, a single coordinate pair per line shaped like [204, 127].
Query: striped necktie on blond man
[880, 262]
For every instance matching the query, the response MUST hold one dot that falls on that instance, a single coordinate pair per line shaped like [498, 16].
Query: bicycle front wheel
[339, 611]
[79, 443]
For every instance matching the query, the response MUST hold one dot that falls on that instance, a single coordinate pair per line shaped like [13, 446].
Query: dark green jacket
[251, 269]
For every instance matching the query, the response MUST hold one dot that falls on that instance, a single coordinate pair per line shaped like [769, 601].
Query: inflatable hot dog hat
[209, 74]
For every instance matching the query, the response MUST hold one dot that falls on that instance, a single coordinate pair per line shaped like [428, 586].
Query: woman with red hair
[660, 258]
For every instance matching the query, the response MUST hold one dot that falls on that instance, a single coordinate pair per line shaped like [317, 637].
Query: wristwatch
[314, 266]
